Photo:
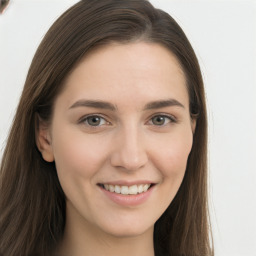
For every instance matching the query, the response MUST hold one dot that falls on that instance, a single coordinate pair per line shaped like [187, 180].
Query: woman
[107, 152]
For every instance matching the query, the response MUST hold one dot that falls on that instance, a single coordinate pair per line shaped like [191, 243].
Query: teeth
[145, 187]
[140, 188]
[111, 188]
[133, 190]
[124, 190]
[127, 190]
[117, 189]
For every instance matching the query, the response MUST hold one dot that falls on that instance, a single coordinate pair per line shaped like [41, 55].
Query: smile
[128, 195]
[127, 190]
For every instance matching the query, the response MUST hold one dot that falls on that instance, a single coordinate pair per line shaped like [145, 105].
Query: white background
[223, 34]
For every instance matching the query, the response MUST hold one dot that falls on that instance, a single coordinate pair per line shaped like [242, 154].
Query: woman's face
[120, 136]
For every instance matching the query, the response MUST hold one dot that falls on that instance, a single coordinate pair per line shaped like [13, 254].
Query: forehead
[136, 70]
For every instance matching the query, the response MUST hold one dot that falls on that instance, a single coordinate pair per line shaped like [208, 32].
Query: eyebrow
[109, 106]
[94, 104]
[162, 104]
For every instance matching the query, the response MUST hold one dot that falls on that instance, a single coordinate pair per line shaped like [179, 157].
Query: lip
[127, 183]
[128, 200]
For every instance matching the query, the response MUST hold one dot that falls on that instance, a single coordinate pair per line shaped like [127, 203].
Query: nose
[129, 151]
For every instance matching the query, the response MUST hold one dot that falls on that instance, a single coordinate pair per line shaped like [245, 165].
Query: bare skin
[122, 119]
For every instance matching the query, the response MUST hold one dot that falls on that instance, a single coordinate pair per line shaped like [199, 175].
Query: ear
[43, 139]
[193, 125]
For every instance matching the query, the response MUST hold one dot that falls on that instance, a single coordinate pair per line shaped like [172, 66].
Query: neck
[84, 239]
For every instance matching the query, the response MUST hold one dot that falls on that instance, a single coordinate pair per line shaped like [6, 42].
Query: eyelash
[171, 119]
[84, 120]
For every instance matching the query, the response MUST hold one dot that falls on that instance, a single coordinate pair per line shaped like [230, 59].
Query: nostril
[129, 160]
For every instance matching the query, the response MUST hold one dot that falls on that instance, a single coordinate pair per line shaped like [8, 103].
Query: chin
[129, 232]
[127, 228]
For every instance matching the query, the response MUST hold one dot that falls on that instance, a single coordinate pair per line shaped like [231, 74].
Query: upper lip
[127, 183]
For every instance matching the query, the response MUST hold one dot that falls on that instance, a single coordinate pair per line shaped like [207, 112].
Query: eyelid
[83, 119]
[172, 118]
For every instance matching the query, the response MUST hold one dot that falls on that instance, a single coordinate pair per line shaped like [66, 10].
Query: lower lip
[128, 200]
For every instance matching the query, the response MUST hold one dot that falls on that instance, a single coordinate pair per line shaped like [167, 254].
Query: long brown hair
[32, 203]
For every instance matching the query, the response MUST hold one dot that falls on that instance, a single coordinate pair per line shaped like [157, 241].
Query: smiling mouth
[127, 190]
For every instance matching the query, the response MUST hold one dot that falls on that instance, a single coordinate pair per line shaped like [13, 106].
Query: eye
[94, 120]
[161, 120]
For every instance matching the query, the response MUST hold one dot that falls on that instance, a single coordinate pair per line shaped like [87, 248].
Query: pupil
[94, 121]
[159, 120]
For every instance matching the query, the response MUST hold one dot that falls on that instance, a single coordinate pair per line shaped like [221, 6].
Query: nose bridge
[130, 152]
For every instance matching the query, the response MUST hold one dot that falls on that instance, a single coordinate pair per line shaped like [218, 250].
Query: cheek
[171, 161]
[171, 158]
[77, 156]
